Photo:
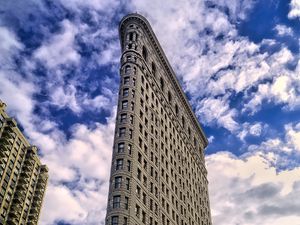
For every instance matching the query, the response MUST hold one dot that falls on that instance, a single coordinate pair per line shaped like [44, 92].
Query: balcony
[38, 197]
[12, 221]
[36, 204]
[41, 185]
[4, 141]
[15, 211]
[19, 200]
[23, 180]
[35, 210]
[20, 193]
[29, 162]
[8, 133]
[25, 175]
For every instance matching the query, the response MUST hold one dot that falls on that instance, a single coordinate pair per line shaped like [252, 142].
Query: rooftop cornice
[147, 27]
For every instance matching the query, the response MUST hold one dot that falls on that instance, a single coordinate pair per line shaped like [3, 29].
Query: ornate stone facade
[158, 174]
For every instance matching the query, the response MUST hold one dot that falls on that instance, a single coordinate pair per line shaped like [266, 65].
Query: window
[124, 104]
[145, 53]
[127, 183]
[162, 84]
[153, 69]
[127, 69]
[121, 147]
[183, 122]
[169, 97]
[126, 202]
[176, 109]
[115, 220]
[132, 93]
[131, 36]
[126, 80]
[129, 149]
[139, 174]
[138, 191]
[131, 119]
[125, 92]
[137, 211]
[119, 164]
[122, 132]
[125, 221]
[139, 157]
[132, 106]
[116, 201]
[144, 217]
[130, 133]
[128, 165]
[144, 198]
[123, 117]
[118, 182]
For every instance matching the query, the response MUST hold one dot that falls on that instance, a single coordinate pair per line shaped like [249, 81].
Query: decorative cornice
[147, 27]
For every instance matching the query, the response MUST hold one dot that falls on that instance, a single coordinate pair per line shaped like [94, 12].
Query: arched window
[145, 53]
[153, 69]
[162, 84]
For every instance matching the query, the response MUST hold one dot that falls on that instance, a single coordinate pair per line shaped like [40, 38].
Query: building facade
[158, 174]
[23, 179]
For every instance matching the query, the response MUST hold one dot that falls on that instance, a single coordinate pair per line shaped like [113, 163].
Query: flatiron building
[158, 174]
[23, 179]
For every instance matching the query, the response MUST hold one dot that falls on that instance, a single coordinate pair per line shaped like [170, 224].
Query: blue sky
[237, 61]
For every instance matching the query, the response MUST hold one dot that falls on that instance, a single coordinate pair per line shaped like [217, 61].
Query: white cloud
[289, 145]
[262, 195]
[60, 202]
[294, 9]
[9, 45]
[217, 111]
[101, 5]
[65, 97]
[282, 90]
[68, 97]
[293, 136]
[60, 49]
[250, 129]
[283, 30]
[83, 161]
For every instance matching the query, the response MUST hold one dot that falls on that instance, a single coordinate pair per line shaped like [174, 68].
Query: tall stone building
[23, 179]
[158, 174]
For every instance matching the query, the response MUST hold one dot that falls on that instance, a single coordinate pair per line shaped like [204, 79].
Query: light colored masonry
[158, 174]
[23, 179]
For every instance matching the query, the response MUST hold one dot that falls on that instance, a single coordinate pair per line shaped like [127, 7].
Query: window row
[118, 182]
[119, 202]
[127, 81]
[121, 148]
[120, 165]
[125, 106]
[116, 220]
[123, 131]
